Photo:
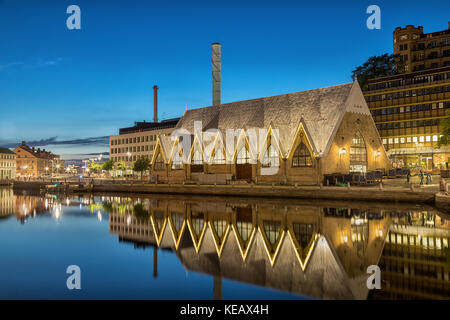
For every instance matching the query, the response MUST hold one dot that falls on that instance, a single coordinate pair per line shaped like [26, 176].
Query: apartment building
[7, 164]
[407, 110]
[34, 162]
[138, 141]
[422, 51]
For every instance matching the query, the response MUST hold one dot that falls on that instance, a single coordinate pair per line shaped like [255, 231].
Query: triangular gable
[219, 239]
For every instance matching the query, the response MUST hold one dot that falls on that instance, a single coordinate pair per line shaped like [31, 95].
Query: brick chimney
[216, 48]
[155, 103]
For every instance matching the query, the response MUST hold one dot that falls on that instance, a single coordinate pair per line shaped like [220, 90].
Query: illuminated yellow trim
[177, 235]
[272, 257]
[244, 252]
[297, 250]
[213, 151]
[219, 248]
[268, 142]
[197, 242]
[298, 140]
[156, 152]
[158, 235]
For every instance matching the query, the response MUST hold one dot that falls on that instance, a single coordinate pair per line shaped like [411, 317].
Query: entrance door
[243, 166]
[244, 171]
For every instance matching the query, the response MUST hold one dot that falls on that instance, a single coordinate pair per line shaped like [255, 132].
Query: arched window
[219, 157]
[198, 158]
[159, 162]
[177, 161]
[302, 157]
[243, 156]
[271, 157]
[358, 154]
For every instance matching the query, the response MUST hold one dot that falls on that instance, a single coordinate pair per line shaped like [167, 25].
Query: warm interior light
[342, 151]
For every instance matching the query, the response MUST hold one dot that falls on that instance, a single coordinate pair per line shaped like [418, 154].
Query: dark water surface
[168, 247]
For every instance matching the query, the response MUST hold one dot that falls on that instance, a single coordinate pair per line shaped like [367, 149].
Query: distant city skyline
[67, 90]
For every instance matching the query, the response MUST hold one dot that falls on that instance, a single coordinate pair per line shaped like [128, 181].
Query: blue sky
[61, 85]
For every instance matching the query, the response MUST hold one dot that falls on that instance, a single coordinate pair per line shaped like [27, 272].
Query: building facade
[407, 110]
[292, 139]
[32, 162]
[7, 164]
[421, 51]
[138, 141]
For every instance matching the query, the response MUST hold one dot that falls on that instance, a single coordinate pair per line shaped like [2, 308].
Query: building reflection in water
[303, 248]
[312, 249]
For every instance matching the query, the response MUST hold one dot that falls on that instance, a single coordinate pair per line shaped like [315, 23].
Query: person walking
[421, 177]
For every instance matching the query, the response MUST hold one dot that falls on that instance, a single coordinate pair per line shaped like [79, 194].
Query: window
[159, 162]
[271, 158]
[219, 157]
[358, 154]
[243, 156]
[197, 159]
[272, 230]
[302, 157]
[177, 161]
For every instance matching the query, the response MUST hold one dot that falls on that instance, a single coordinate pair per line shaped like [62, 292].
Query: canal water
[175, 247]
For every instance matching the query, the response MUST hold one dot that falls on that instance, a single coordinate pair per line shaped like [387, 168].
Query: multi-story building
[138, 141]
[421, 51]
[32, 162]
[407, 109]
[7, 164]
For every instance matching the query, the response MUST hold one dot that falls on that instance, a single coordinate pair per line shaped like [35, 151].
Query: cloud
[39, 63]
[99, 141]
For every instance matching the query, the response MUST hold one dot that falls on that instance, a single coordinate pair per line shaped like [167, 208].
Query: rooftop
[149, 126]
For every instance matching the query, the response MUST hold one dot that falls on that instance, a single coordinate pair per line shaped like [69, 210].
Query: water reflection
[312, 249]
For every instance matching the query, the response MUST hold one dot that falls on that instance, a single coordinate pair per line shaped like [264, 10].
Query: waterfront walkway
[396, 190]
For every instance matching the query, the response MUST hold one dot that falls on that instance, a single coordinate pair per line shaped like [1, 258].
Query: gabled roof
[319, 110]
[5, 151]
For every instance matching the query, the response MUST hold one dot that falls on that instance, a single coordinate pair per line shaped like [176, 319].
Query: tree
[94, 167]
[122, 166]
[141, 165]
[445, 134]
[108, 165]
[378, 66]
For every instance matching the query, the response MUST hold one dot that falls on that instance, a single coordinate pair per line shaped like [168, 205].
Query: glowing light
[342, 151]
[99, 216]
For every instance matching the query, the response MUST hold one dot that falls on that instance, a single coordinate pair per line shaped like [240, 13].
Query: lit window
[428, 138]
[391, 141]
[159, 162]
[219, 157]
[243, 156]
[402, 140]
[395, 140]
[421, 139]
[271, 157]
[177, 161]
[384, 141]
[435, 138]
[302, 157]
[414, 139]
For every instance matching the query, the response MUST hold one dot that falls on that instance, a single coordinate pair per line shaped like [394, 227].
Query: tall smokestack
[216, 72]
[155, 103]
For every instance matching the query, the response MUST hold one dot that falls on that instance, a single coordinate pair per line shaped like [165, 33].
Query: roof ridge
[277, 95]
